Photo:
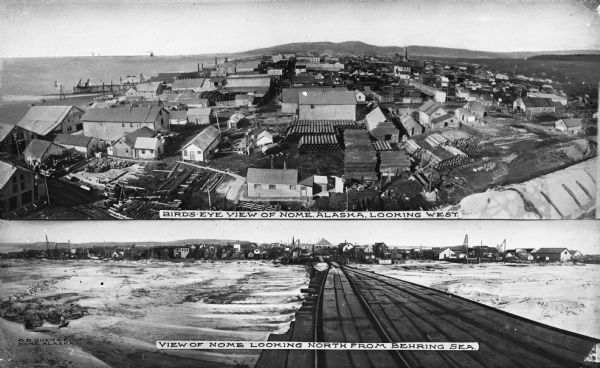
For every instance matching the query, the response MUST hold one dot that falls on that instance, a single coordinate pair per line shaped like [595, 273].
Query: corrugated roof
[272, 176]
[72, 140]
[327, 98]
[5, 130]
[6, 172]
[146, 143]
[43, 119]
[141, 114]
[205, 138]
[291, 95]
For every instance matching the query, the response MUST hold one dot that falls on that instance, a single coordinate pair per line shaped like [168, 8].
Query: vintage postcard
[270, 294]
[477, 109]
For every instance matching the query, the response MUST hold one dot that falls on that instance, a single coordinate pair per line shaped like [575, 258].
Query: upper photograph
[118, 110]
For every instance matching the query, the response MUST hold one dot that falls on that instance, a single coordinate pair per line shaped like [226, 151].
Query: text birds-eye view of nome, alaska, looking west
[508, 132]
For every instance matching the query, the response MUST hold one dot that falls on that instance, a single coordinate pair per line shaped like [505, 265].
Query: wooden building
[81, 143]
[112, 124]
[124, 146]
[276, 184]
[148, 148]
[202, 145]
[327, 105]
[47, 121]
[552, 255]
[428, 111]
[380, 128]
[19, 188]
[534, 105]
[571, 126]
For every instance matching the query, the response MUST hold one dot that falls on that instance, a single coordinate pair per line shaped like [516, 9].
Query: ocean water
[26, 78]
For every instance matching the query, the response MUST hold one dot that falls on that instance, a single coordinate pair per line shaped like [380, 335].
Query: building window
[185, 152]
[12, 203]
[122, 125]
[199, 152]
[256, 186]
[150, 151]
[272, 187]
[312, 106]
[292, 187]
[26, 197]
[131, 125]
[143, 152]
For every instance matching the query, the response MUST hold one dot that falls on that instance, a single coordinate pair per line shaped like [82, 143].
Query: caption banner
[282, 215]
[293, 345]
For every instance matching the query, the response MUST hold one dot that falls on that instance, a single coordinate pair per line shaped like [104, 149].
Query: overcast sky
[582, 235]
[111, 27]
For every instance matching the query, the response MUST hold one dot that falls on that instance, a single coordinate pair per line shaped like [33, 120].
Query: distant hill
[13, 247]
[362, 48]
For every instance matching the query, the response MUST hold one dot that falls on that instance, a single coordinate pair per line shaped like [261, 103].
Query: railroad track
[356, 306]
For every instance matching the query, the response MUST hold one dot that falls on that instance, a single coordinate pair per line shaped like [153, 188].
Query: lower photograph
[294, 293]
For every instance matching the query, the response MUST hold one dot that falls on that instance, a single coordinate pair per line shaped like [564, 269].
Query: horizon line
[212, 54]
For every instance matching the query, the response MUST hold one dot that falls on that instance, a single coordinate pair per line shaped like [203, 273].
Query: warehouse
[202, 145]
[327, 105]
[290, 97]
[43, 121]
[112, 124]
[18, 188]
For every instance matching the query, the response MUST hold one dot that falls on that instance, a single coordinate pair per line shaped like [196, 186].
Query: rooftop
[327, 98]
[272, 176]
[142, 114]
[43, 119]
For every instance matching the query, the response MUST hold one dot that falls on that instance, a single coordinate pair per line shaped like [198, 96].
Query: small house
[570, 126]
[202, 145]
[430, 110]
[263, 138]
[552, 255]
[200, 116]
[124, 146]
[534, 105]
[178, 117]
[465, 116]
[148, 148]
[380, 128]
[244, 100]
[81, 143]
[476, 108]
[276, 184]
[38, 152]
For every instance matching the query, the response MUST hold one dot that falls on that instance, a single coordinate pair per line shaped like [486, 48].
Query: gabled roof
[43, 119]
[148, 87]
[72, 140]
[430, 107]
[322, 242]
[572, 122]
[272, 176]
[37, 148]
[537, 102]
[6, 172]
[375, 117]
[146, 143]
[442, 118]
[130, 138]
[291, 95]
[327, 98]
[475, 106]
[178, 114]
[199, 111]
[550, 250]
[205, 138]
[188, 83]
[5, 130]
[141, 114]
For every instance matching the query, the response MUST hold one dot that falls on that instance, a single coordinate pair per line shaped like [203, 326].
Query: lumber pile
[299, 128]
[356, 138]
[321, 142]
[436, 139]
[393, 163]
[381, 146]
[139, 210]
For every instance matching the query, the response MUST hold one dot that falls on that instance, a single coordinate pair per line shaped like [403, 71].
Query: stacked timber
[436, 139]
[360, 160]
[393, 163]
[381, 146]
[413, 149]
[300, 127]
[320, 142]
